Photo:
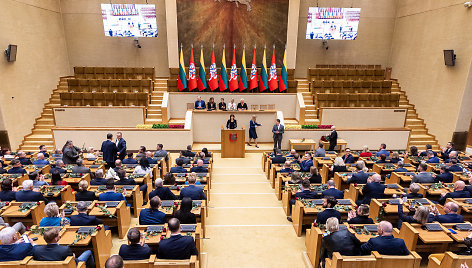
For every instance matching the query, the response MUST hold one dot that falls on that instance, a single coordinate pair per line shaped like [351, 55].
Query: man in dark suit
[184, 159]
[459, 192]
[109, 151]
[176, 247]
[80, 168]
[347, 157]
[164, 193]
[200, 104]
[400, 167]
[306, 193]
[307, 163]
[278, 158]
[431, 158]
[372, 190]
[444, 175]
[360, 177]
[422, 176]
[58, 167]
[152, 161]
[82, 218]
[453, 167]
[129, 160]
[188, 152]
[178, 168]
[385, 243]
[16, 167]
[55, 252]
[120, 145]
[333, 139]
[160, 152]
[11, 248]
[23, 159]
[451, 215]
[429, 148]
[43, 150]
[328, 203]
[332, 191]
[278, 131]
[446, 151]
[136, 250]
[110, 194]
[199, 168]
[99, 180]
[192, 191]
[28, 195]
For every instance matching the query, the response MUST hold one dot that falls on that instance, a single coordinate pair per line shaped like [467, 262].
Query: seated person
[306, 163]
[129, 160]
[99, 180]
[152, 215]
[372, 190]
[453, 166]
[13, 248]
[59, 166]
[342, 241]
[385, 243]
[28, 195]
[211, 105]
[23, 159]
[347, 157]
[143, 168]
[292, 153]
[432, 159]
[184, 214]
[421, 215]
[55, 252]
[206, 152]
[91, 153]
[125, 180]
[400, 167]
[429, 148]
[382, 160]
[7, 194]
[413, 191]
[203, 157]
[320, 152]
[452, 155]
[83, 194]
[169, 179]
[82, 218]
[164, 193]
[296, 159]
[40, 160]
[338, 166]
[115, 261]
[43, 150]
[232, 106]
[80, 168]
[160, 152]
[332, 191]
[111, 194]
[365, 152]
[56, 179]
[16, 167]
[278, 158]
[199, 168]
[192, 191]
[328, 204]
[149, 158]
[305, 193]
[183, 158]
[53, 217]
[287, 168]
[188, 152]
[200, 104]
[362, 216]
[422, 176]
[360, 177]
[178, 168]
[295, 178]
[177, 247]
[193, 174]
[242, 105]
[38, 179]
[382, 150]
[451, 215]
[136, 248]
[395, 158]
[141, 152]
[222, 105]
[315, 175]
[444, 175]
[459, 192]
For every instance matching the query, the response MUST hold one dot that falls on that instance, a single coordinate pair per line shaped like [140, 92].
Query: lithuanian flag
[283, 83]
[242, 73]
[223, 82]
[182, 82]
[202, 81]
[263, 81]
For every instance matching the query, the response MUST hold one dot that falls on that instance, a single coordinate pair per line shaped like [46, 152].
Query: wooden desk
[133, 196]
[15, 178]
[356, 190]
[12, 214]
[361, 232]
[119, 216]
[302, 142]
[233, 142]
[176, 189]
[387, 168]
[292, 189]
[419, 240]
[56, 193]
[342, 144]
[391, 210]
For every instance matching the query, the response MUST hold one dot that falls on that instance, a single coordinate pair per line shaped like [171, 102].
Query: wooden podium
[233, 143]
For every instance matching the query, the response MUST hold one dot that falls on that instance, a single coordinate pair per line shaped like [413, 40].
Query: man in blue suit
[110, 194]
[28, 195]
[400, 167]
[109, 151]
[385, 243]
[136, 250]
[429, 148]
[176, 247]
[199, 168]
[459, 192]
[121, 146]
[178, 168]
[360, 177]
[278, 158]
[40, 160]
[130, 160]
[382, 150]
[444, 175]
[99, 180]
[332, 191]
[278, 131]
[451, 215]
[307, 163]
[306, 193]
[58, 167]
[372, 190]
[453, 166]
[431, 158]
[152, 161]
[164, 193]
[200, 104]
[16, 167]
[82, 218]
[192, 191]
[328, 203]
[347, 157]
[11, 249]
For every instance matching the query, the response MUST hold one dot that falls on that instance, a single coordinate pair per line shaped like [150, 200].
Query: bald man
[451, 215]
[199, 168]
[114, 261]
[459, 192]
[372, 190]
[385, 243]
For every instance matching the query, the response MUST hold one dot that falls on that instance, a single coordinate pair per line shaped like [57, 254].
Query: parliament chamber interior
[235, 133]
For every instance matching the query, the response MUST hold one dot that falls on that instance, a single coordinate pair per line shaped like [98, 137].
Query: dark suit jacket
[60, 170]
[98, 181]
[15, 252]
[326, 214]
[184, 159]
[278, 159]
[51, 252]
[348, 159]
[306, 165]
[281, 129]
[455, 194]
[341, 241]
[413, 195]
[333, 138]
[109, 151]
[177, 247]
[126, 181]
[385, 245]
[82, 219]
[400, 170]
[121, 147]
[185, 217]
[339, 169]
[306, 194]
[7, 196]
[201, 103]
[199, 170]
[334, 193]
[449, 218]
[29, 196]
[446, 177]
[359, 178]
[361, 220]
[146, 217]
[135, 252]
[17, 170]
[454, 168]
[372, 190]
[178, 169]
[193, 192]
[130, 161]
[164, 193]
[85, 196]
[188, 153]
[25, 161]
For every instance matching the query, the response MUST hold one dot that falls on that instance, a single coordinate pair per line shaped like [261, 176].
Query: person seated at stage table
[211, 105]
[40, 160]
[359, 177]
[178, 168]
[429, 148]
[306, 163]
[287, 168]
[28, 195]
[347, 157]
[413, 191]
[185, 214]
[332, 191]
[421, 215]
[242, 106]
[422, 176]
[83, 194]
[459, 192]
[400, 167]
[315, 175]
[361, 217]
[152, 215]
[143, 167]
[395, 158]
[16, 167]
[232, 106]
[365, 152]
[453, 167]
[232, 123]
[23, 159]
[199, 168]
[13, 247]
[188, 152]
[99, 180]
[328, 204]
[176, 247]
[137, 249]
[129, 160]
[82, 218]
[43, 150]
[222, 105]
[431, 158]
[160, 152]
[382, 160]
[141, 152]
[58, 167]
[7, 194]
[80, 168]
[200, 104]
[342, 241]
[444, 175]
[372, 190]
[382, 150]
[320, 152]
[338, 166]
[164, 193]
[278, 158]
[149, 158]
[385, 243]
[451, 216]
[305, 193]
[53, 217]
[38, 179]
[196, 193]
[111, 194]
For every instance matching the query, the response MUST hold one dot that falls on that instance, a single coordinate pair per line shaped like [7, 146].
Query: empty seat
[364, 100]
[104, 86]
[327, 85]
[79, 72]
[76, 99]
[333, 73]
[138, 73]
[135, 85]
[89, 72]
[109, 73]
[119, 72]
[370, 74]
[99, 72]
[366, 86]
[94, 85]
[99, 99]
[376, 86]
[379, 74]
[131, 99]
[120, 99]
[356, 86]
[337, 86]
[84, 85]
[347, 85]
[317, 86]
[342, 74]
[342, 101]
[351, 73]
[88, 98]
[128, 73]
[149, 73]
[333, 99]
[353, 100]
[73, 85]
[360, 73]
[115, 86]
[65, 98]
[109, 98]
[125, 85]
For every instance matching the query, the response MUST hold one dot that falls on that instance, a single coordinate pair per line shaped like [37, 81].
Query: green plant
[26, 206]
[105, 211]
[157, 126]
[81, 236]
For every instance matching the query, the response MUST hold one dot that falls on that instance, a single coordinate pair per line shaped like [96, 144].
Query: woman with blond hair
[421, 215]
[365, 152]
[252, 130]
[53, 217]
[338, 165]
[192, 175]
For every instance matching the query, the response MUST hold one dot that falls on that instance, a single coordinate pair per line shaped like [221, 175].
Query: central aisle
[246, 225]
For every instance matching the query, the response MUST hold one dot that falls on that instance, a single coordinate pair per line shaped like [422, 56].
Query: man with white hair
[99, 180]
[23, 159]
[200, 104]
[164, 193]
[40, 160]
[333, 138]
[385, 243]
[28, 195]
[58, 167]
[13, 248]
[242, 105]
[372, 190]
[199, 168]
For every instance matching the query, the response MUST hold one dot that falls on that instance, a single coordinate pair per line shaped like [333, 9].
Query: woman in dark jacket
[7, 195]
[211, 105]
[315, 175]
[232, 123]
[184, 214]
[84, 195]
[341, 241]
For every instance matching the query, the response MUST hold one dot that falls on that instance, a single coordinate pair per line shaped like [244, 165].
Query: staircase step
[414, 137]
[40, 137]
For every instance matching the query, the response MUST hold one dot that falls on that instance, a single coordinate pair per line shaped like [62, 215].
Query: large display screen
[332, 23]
[129, 20]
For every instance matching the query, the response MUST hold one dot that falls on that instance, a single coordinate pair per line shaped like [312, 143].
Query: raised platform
[216, 147]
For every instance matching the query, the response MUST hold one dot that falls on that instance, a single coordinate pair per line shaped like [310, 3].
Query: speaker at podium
[233, 143]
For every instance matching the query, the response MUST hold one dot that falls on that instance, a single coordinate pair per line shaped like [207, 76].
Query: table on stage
[302, 142]
[342, 144]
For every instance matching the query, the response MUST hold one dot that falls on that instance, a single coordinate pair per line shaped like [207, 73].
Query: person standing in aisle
[252, 131]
